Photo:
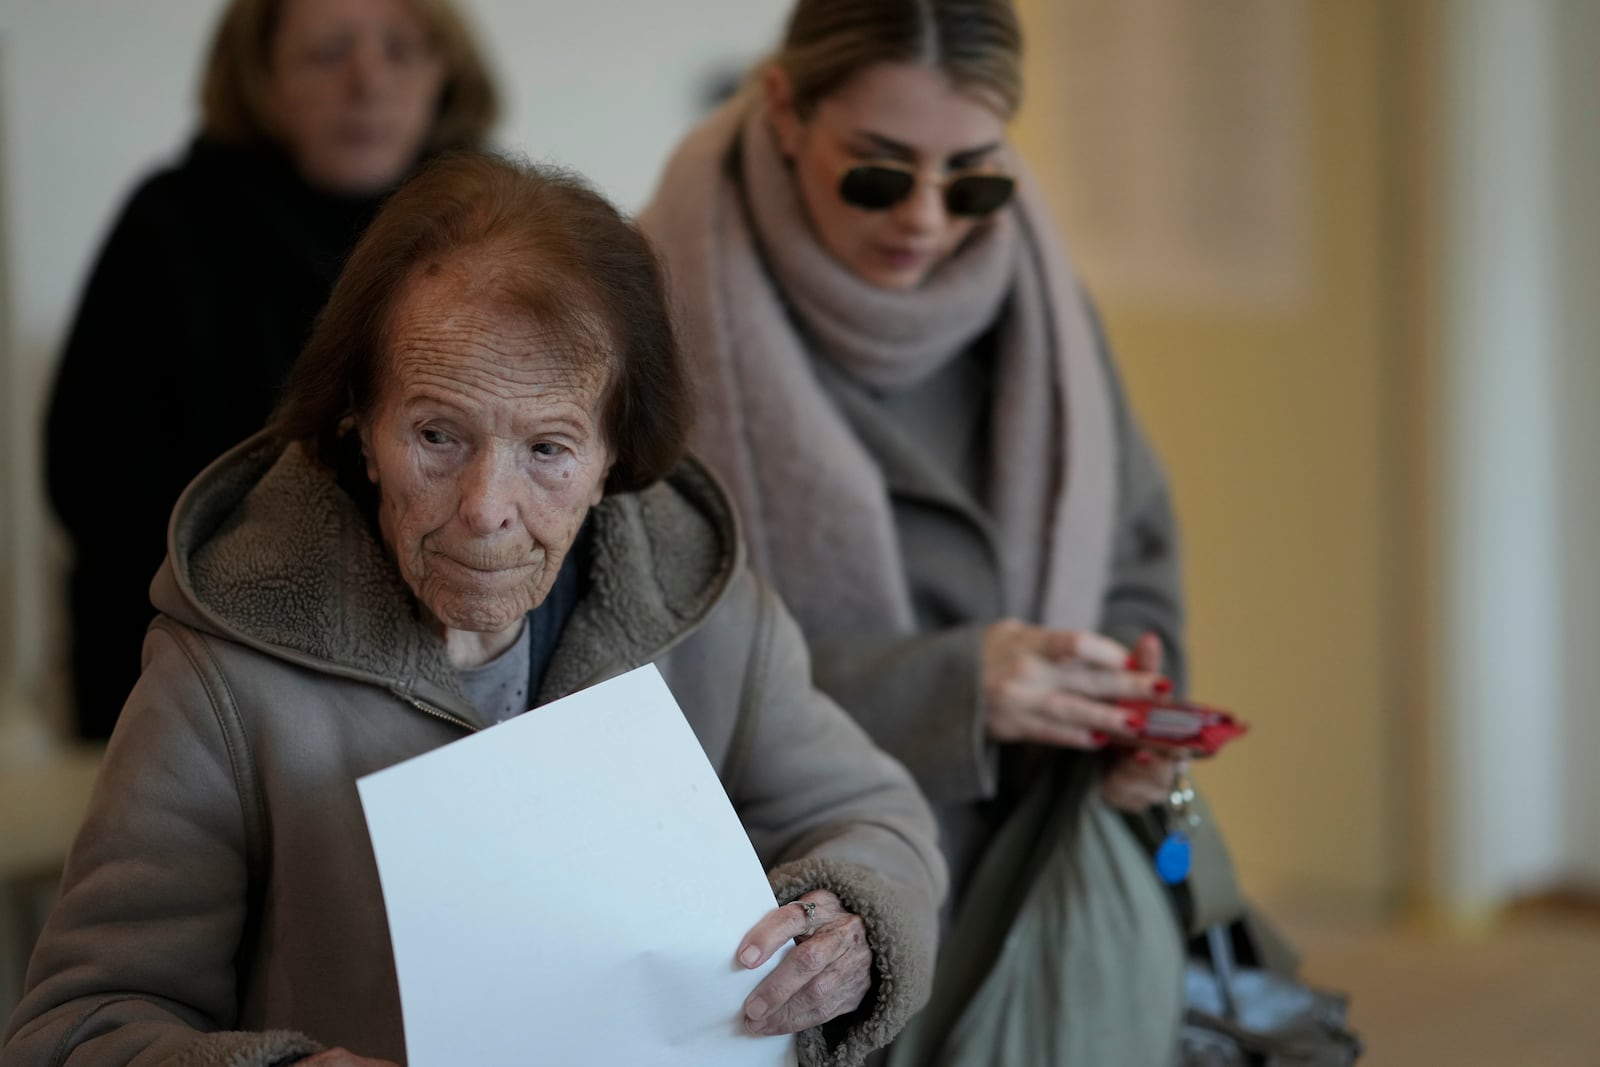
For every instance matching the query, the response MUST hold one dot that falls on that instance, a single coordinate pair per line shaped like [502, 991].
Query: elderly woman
[205, 290]
[474, 498]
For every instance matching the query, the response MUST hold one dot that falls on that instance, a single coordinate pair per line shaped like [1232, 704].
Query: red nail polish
[1163, 686]
[1133, 663]
[1142, 757]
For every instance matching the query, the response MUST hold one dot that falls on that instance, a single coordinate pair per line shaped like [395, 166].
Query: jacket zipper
[429, 709]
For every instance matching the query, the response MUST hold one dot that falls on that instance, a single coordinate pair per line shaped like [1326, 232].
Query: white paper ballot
[570, 888]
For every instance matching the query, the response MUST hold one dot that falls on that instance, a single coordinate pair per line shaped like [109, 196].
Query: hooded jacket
[221, 904]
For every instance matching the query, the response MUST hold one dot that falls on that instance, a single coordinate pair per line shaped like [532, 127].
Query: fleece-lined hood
[266, 549]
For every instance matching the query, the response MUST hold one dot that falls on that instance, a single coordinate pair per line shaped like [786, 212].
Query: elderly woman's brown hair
[552, 248]
[233, 92]
[977, 43]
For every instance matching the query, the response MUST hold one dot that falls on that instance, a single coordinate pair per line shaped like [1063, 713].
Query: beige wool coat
[1063, 946]
[221, 904]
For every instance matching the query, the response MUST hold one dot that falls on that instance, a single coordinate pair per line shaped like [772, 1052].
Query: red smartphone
[1196, 729]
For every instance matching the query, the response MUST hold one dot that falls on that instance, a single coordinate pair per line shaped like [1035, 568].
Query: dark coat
[198, 304]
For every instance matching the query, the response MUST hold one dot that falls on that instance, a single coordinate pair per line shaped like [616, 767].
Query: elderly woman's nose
[491, 489]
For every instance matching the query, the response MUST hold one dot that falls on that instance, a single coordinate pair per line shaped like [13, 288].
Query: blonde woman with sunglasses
[909, 396]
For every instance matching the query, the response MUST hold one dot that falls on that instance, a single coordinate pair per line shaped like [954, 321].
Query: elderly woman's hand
[1052, 687]
[827, 974]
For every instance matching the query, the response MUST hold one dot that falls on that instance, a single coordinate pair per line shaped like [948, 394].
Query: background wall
[1577, 177]
[1500, 555]
[1346, 253]
[1522, 592]
[1265, 373]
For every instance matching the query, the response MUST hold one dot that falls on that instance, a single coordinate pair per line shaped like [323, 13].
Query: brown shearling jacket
[221, 904]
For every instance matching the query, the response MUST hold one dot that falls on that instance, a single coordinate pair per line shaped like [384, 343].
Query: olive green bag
[1067, 949]
[1069, 952]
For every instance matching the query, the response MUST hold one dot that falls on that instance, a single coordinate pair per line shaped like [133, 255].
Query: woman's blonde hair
[233, 93]
[976, 43]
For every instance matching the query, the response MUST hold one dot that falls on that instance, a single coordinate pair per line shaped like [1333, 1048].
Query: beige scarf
[759, 299]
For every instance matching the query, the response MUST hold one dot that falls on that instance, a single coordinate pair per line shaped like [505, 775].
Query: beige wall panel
[1273, 409]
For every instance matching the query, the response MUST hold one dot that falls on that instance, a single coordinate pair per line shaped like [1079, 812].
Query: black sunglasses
[880, 186]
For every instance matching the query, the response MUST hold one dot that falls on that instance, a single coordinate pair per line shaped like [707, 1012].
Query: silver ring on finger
[810, 907]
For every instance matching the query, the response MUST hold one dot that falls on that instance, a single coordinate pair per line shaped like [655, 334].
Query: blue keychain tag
[1172, 855]
[1172, 859]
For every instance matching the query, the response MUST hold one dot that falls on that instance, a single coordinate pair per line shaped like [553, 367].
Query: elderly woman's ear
[361, 431]
[605, 478]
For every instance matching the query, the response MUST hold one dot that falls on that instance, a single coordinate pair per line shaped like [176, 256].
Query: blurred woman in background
[208, 284]
[911, 399]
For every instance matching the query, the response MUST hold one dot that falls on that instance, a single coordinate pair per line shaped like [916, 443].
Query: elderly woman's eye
[547, 449]
[435, 437]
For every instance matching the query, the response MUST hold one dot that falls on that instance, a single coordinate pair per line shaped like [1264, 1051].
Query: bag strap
[1219, 942]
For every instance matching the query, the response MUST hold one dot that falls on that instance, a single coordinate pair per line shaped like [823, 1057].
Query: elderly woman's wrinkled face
[904, 114]
[487, 448]
[354, 90]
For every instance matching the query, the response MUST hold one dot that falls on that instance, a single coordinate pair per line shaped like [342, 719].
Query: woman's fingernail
[749, 955]
[755, 1009]
[1163, 686]
[1133, 663]
[1142, 757]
